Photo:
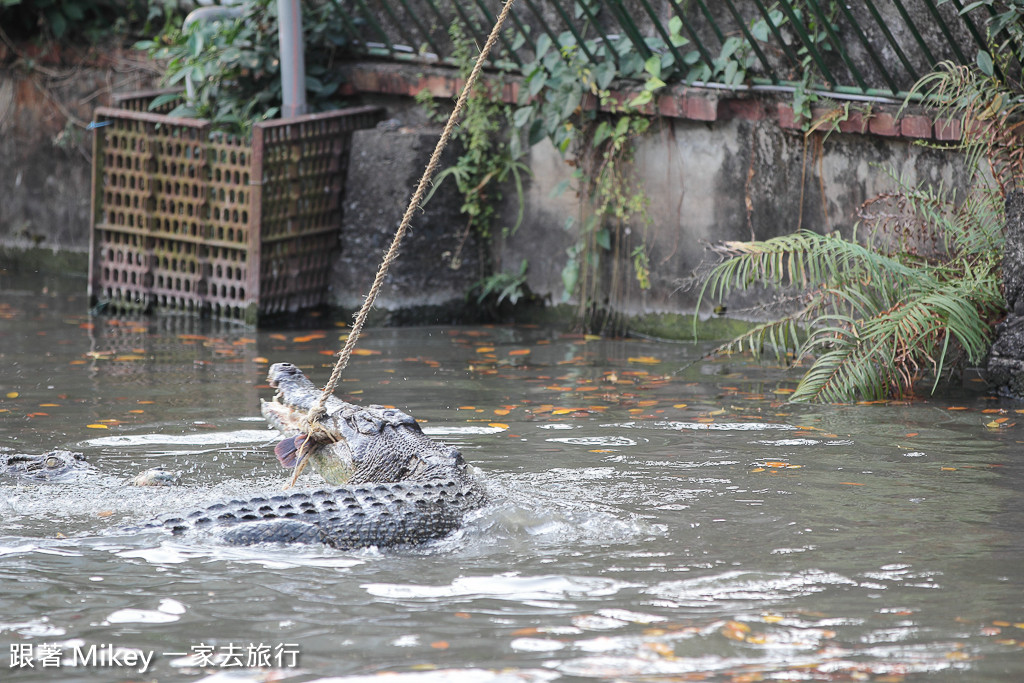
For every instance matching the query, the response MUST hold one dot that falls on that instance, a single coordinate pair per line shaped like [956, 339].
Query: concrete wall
[714, 166]
[46, 102]
[700, 180]
[708, 157]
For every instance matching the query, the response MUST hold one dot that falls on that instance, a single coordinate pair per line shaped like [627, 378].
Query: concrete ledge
[676, 102]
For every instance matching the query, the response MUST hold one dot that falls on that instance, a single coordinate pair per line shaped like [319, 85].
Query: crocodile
[54, 465]
[393, 485]
[62, 465]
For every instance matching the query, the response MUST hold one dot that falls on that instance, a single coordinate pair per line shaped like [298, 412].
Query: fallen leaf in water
[440, 645]
[365, 352]
[484, 349]
[38, 415]
[497, 425]
[12, 394]
[104, 513]
[519, 352]
[649, 360]
[528, 631]
[850, 483]
[735, 630]
[309, 337]
[502, 411]
[662, 649]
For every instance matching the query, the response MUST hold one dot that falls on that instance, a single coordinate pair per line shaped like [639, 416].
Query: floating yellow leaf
[49, 405]
[650, 360]
[850, 483]
[662, 649]
[12, 394]
[678, 405]
[440, 645]
[772, 618]
[484, 349]
[97, 426]
[309, 337]
[365, 352]
[519, 352]
[497, 425]
[501, 411]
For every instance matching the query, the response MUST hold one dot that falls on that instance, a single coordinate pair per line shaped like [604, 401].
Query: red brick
[671, 105]
[787, 117]
[748, 109]
[884, 124]
[947, 130]
[854, 123]
[916, 126]
[700, 108]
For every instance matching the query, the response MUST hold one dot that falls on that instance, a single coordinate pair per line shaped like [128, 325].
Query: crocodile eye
[52, 462]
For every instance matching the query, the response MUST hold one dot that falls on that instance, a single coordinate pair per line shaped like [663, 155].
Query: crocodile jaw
[332, 461]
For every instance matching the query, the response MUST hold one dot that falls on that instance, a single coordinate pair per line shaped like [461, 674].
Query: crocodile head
[50, 466]
[364, 444]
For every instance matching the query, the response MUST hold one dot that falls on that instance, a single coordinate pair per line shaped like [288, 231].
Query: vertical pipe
[293, 64]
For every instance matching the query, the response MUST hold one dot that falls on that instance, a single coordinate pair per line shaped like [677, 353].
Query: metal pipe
[293, 62]
[205, 14]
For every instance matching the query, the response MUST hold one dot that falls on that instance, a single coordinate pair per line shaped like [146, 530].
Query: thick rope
[318, 410]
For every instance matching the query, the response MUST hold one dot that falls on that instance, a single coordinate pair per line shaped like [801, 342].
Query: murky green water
[650, 521]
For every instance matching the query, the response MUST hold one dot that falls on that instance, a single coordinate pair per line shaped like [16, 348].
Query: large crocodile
[400, 487]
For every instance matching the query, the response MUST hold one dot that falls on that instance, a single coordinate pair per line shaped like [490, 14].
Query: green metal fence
[865, 48]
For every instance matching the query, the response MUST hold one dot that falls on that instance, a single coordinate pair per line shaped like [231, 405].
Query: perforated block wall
[187, 219]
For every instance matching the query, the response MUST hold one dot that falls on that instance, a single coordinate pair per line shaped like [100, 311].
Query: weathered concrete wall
[438, 260]
[701, 179]
[46, 102]
[714, 167]
[707, 159]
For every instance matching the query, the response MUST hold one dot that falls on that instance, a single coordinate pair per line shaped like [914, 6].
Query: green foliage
[502, 287]
[90, 21]
[489, 158]
[598, 143]
[915, 297]
[234, 64]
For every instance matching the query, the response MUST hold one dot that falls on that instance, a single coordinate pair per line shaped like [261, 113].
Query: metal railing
[866, 48]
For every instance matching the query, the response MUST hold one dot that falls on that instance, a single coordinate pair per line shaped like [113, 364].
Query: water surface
[652, 517]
